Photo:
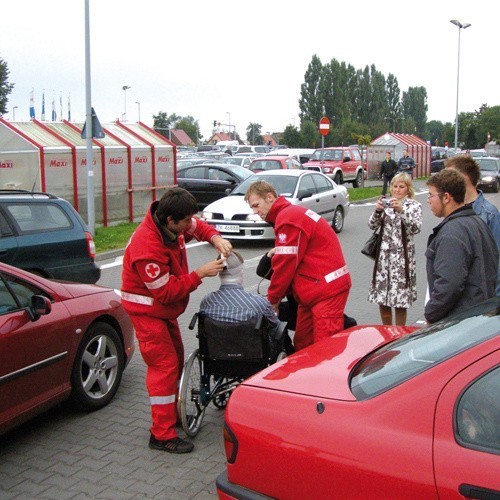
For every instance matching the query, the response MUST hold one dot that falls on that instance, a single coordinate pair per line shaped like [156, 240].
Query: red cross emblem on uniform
[152, 270]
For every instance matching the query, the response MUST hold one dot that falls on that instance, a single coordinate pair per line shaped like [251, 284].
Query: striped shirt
[233, 304]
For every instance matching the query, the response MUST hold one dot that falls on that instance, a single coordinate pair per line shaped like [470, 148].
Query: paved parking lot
[104, 455]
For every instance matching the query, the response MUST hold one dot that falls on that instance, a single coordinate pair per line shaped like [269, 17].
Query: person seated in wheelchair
[231, 303]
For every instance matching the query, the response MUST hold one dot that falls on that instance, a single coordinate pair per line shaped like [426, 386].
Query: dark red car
[274, 163]
[58, 341]
[373, 412]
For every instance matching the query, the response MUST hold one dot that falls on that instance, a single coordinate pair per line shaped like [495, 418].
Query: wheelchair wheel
[220, 400]
[189, 406]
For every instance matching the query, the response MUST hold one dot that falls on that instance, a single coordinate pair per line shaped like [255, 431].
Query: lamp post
[229, 123]
[138, 110]
[125, 88]
[460, 26]
[14, 113]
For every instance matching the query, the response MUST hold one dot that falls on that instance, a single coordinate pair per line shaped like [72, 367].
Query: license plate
[227, 228]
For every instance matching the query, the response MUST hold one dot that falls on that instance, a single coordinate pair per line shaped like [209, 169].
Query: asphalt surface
[104, 455]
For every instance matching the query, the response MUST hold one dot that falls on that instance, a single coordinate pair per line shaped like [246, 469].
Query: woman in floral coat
[394, 283]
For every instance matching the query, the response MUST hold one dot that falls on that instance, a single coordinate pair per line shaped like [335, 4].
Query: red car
[58, 340]
[373, 412]
[274, 163]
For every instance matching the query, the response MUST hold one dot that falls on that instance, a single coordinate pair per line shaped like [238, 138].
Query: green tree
[311, 103]
[191, 127]
[162, 122]
[436, 133]
[254, 131]
[489, 123]
[5, 86]
[311, 138]
[415, 107]
[393, 101]
[291, 137]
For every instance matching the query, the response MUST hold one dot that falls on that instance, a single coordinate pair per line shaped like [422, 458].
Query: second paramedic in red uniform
[309, 260]
[156, 284]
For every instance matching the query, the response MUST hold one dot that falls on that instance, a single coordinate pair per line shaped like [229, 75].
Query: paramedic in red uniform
[156, 284]
[308, 260]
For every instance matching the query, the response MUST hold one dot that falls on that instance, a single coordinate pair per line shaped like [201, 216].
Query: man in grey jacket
[462, 256]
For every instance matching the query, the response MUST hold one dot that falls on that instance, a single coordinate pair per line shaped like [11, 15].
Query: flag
[32, 105]
[43, 106]
[54, 114]
[69, 109]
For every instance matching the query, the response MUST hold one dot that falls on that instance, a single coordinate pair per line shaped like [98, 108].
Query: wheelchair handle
[193, 321]
[258, 324]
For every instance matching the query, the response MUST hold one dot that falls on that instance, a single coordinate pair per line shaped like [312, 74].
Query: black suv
[44, 234]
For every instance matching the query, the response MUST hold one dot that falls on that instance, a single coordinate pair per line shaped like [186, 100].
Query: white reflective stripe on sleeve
[336, 274]
[162, 400]
[313, 215]
[192, 228]
[163, 280]
[138, 299]
[287, 250]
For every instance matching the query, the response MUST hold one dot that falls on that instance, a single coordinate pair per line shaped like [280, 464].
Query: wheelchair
[228, 353]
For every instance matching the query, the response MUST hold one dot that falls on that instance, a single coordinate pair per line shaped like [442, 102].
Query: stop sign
[324, 126]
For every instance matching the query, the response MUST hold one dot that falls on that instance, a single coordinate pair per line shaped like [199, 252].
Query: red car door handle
[472, 491]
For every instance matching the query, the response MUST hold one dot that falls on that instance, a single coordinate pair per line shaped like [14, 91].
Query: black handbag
[370, 247]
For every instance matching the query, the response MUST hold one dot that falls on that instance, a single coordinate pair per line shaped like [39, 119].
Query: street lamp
[125, 88]
[138, 110]
[460, 26]
[229, 123]
[14, 113]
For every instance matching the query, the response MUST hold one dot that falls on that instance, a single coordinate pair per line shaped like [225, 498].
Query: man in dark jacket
[406, 164]
[388, 170]
[462, 256]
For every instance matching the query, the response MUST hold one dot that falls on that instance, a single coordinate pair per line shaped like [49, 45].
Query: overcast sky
[240, 62]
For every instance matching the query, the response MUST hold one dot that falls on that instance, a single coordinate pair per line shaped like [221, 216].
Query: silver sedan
[235, 220]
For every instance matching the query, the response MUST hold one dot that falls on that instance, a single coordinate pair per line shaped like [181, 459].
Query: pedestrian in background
[388, 170]
[406, 164]
[462, 256]
[308, 260]
[394, 283]
[155, 292]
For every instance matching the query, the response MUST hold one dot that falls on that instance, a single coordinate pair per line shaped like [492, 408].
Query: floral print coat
[389, 288]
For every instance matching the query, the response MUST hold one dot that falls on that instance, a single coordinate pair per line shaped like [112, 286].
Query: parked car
[210, 181]
[44, 234]
[248, 148]
[235, 220]
[342, 164]
[275, 162]
[242, 161]
[490, 172]
[58, 341]
[303, 155]
[373, 412]
[437, 165]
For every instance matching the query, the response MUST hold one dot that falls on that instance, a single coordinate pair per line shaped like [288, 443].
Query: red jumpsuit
[156, 285]
[309, 260]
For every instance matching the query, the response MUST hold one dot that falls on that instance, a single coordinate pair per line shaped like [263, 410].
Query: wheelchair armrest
[281, 329]
[193, 321]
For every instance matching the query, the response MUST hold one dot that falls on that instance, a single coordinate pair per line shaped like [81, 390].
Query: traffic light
[215, 123]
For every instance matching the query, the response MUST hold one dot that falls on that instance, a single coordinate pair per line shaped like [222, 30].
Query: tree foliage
[5, 86]
[254, 131]
[163, 122]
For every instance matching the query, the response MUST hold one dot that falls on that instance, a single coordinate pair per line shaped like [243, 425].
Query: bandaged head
[233, 271]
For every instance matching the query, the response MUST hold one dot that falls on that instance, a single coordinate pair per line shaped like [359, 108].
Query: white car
[234, 219]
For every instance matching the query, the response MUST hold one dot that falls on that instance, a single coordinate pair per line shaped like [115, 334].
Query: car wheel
[338, 220]
[338, 178]
[358, 181]
[495, 187]
[98, 368]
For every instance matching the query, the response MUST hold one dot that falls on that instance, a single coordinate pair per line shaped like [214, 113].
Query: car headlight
[253, 217]
[488, 178]
[207, 215]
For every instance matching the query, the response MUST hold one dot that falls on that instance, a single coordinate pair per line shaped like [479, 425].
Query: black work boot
[174, 445]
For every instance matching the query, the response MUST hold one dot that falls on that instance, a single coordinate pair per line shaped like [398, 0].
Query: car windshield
[265, 165]
[327, 154]
[284, 185]
[412, 354]
[489, 164]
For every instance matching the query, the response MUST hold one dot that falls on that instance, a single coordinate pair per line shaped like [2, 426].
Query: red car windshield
[410, 355]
